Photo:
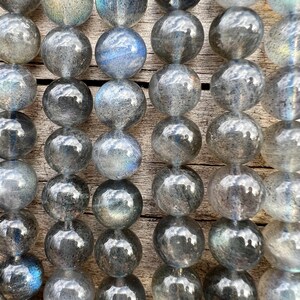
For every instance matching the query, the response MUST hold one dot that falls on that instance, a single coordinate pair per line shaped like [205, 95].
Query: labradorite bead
[177, 37]
[66, 52]
[229, 3]
[68, 150]
[224, 284]
[69, 245]
[176, 140]
[285, 7]
[118, 252]
[68, 102]
[236, 33]
[237, 85]
[176, 284]
[236, 193]
[168, 5]
[117, 204]
[120, 104]
[177, 191]
[19, 39]
[175, 89]
[117, 155]
[178, 241]
[20, 6]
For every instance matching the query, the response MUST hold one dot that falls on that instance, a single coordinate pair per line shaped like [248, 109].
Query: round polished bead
[168, 5]
[117, 204]
[66, 52]
[68, 150]
[177, 191]
[230, 3]
[69, 285]
[236, 193]
[20, 6]
[178, 241]
[177, 37]
[65, 198]
[19, 39]
[281, 146]
[285, 7]
[69, 245]
[118, 252]
[175, 89]
[236, 33]
[176, 140]
[120, 104]
[238, 85]
[117, 155]
[68, 102]
[176, 284]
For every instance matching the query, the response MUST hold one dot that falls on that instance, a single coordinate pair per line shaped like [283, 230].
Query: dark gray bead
[20, 6]
[168, 5]
[229, 3]
[236, 33]
[177, 37]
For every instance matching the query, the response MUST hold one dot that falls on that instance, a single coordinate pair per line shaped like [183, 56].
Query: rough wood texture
[205, 64]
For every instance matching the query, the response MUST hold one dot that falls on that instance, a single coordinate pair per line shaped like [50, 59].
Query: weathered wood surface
[205, 164]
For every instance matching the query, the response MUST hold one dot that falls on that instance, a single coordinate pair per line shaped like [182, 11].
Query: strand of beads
[281, 151]
[67, 102]
[119, 104]
[21, 274]
[177, 190]
[235, 191]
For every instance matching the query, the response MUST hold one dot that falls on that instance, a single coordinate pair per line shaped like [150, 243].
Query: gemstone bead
[168, 5]
[20, 6]
[285, 7]
[230, 3]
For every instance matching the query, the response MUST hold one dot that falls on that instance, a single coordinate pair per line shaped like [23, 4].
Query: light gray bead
[229, 3]
[20, 6]
[285, 7]
[168, 5]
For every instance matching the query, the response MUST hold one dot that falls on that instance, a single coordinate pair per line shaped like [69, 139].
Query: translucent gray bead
[236, 33]
[168, 5]
[285, 7]
[177, 37]
[20, 6]
[69, 245]
[68, 150]
[69, 285]
[229, 3]
[65, 198]
[176, 284]
[177, 191]
[234, 138]
[120, 104]
[18, 185]
[117, 204]
[237, 85]
[175, 89]
[117, 155]
[176, 140]
[110, 54]
[236, 193]
[19, 38]
[66, 51]
[178, 241]
[17, 135]
[68, 102]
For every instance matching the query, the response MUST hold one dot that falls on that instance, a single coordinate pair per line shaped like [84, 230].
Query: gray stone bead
[68, 245]
[20, 6]
[66, 52]
[117, 204]
[18, 232]
[117, 155]
[19, 38]
[178, 241]
[285, 7]
[120, 104]
[176, 140]
[65, 198]
[236, 245]
[234, 138]
[68, 150]
[17, 135]
[118, 252]
[238, 85]
[18, 185]
[229, 3]
[224, 284]
[69, 285]
[176, 284]
[177, 37]
[177, 191]
[68, 102]
[236, 192]
[17, 87]
[236, 33]
[168, 5]
[175, 89]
